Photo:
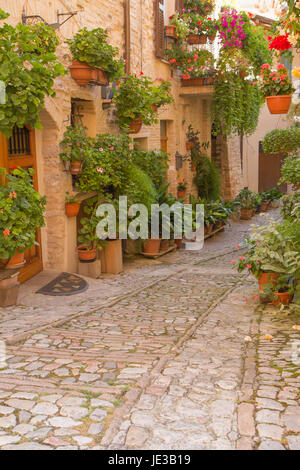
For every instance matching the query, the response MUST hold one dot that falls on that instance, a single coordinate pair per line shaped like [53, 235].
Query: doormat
[64, 284]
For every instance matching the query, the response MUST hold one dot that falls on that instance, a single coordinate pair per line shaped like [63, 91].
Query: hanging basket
[197, 39]
[72, 209]
[135, 126]
[170, 31]
[83, 74]
[279, 104]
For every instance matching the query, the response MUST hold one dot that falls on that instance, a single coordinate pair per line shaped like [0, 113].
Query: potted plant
[290, 171]
[134, 99]
[72, 205]
[247, 202]
[28, 68]
[282, 141]
[181, 189]
[88, 239]
[93, 58]
[277, 88]
[76, 147]
[22, 211]
[265, 201]
[283, 294]
[179, 27]
[203, 7]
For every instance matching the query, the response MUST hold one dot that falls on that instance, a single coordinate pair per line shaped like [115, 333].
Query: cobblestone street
[154, 359]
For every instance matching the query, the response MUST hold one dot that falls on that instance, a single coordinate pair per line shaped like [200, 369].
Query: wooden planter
[72, 209]
[199, 81]
[83, 74]
[197, 39]
[152, 246]
[76, 168]
[209, 81]
[112, 257]
[84, 254]
[279, 104]
[246, 214]
[15, 262]
[283, 298]
[170, 31]
[135, 126]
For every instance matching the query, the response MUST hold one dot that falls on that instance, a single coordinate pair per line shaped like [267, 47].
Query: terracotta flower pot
[279, 104]
[246, 214]
[198, 81]
[209, 81]
[178, 243]
[152, 245]
[76, 168]
[15, 262]
[135, 126]
[170, 31]
[197, 39]
[180, 194]
[264, 206]
[283, 298]
[84, 254]
[189, 145]
[298, 187]
[72, 209]
[164, 245]
[267, 279]
[83, 74]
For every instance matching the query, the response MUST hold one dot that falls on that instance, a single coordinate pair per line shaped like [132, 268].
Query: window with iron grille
[19, 142]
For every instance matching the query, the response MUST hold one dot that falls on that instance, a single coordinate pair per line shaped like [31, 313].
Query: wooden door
[269, 171]
[19, 150]
[164, 135]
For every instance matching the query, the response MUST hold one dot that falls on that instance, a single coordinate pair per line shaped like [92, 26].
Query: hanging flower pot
[283, 298]
[198, 81]
[197, 39]
[72, 209]
[189, 145]
[279, 104]
[135, 126]
[15, 262]
[76, 167]
[170, 31]
[86, 254]
[152, 246]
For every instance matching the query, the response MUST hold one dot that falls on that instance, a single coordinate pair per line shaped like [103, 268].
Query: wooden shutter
[127, 35]
[159, 28]
[179, 5]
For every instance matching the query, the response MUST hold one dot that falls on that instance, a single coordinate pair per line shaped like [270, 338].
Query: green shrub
[290, 171]
[141, 189]
[154, 163]
[207, 179]
[282, 140]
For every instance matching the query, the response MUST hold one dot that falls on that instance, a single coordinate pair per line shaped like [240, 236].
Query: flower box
[197, 39]
[198, 81]
[83, 74]
[170, 31]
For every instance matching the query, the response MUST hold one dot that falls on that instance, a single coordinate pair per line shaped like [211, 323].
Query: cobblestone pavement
[167, 367]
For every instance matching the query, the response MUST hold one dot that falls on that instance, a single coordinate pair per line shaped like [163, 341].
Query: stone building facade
[131, 27]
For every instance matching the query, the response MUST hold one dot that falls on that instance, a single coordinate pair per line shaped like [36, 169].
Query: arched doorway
[19, 150]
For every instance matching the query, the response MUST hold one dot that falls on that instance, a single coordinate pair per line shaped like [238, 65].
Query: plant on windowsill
[72, 205]
[181, 27]
[203, 7]
[21, 215]
[277, 88]
[28, 67]
[93, 58]
[76, 147]
[137, 99]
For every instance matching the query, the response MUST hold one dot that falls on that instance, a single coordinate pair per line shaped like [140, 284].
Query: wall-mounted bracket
[29, 19]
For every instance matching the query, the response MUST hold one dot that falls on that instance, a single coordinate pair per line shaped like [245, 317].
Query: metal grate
[19, 142]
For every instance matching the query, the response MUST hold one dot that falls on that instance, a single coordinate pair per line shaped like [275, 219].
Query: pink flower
[100, 149]
[249, 266]
[112, 148]
[100, 169]
[232, 262]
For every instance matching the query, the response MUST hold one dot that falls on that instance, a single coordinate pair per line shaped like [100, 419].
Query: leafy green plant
[181, 186]
[193, 63]
[135, 97]
[76, 145]
[271, 194]
[92, 47]
[154, 163]
[282, 140]
[88, 225]
[236, 105]
[290, 170]
[70, 198]
[182, 28]
[107, 168]
[290, 205]
[28, 67]
[22, 209]
[207, 178]
[204, 7]
[141, 189]
[247, 199]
